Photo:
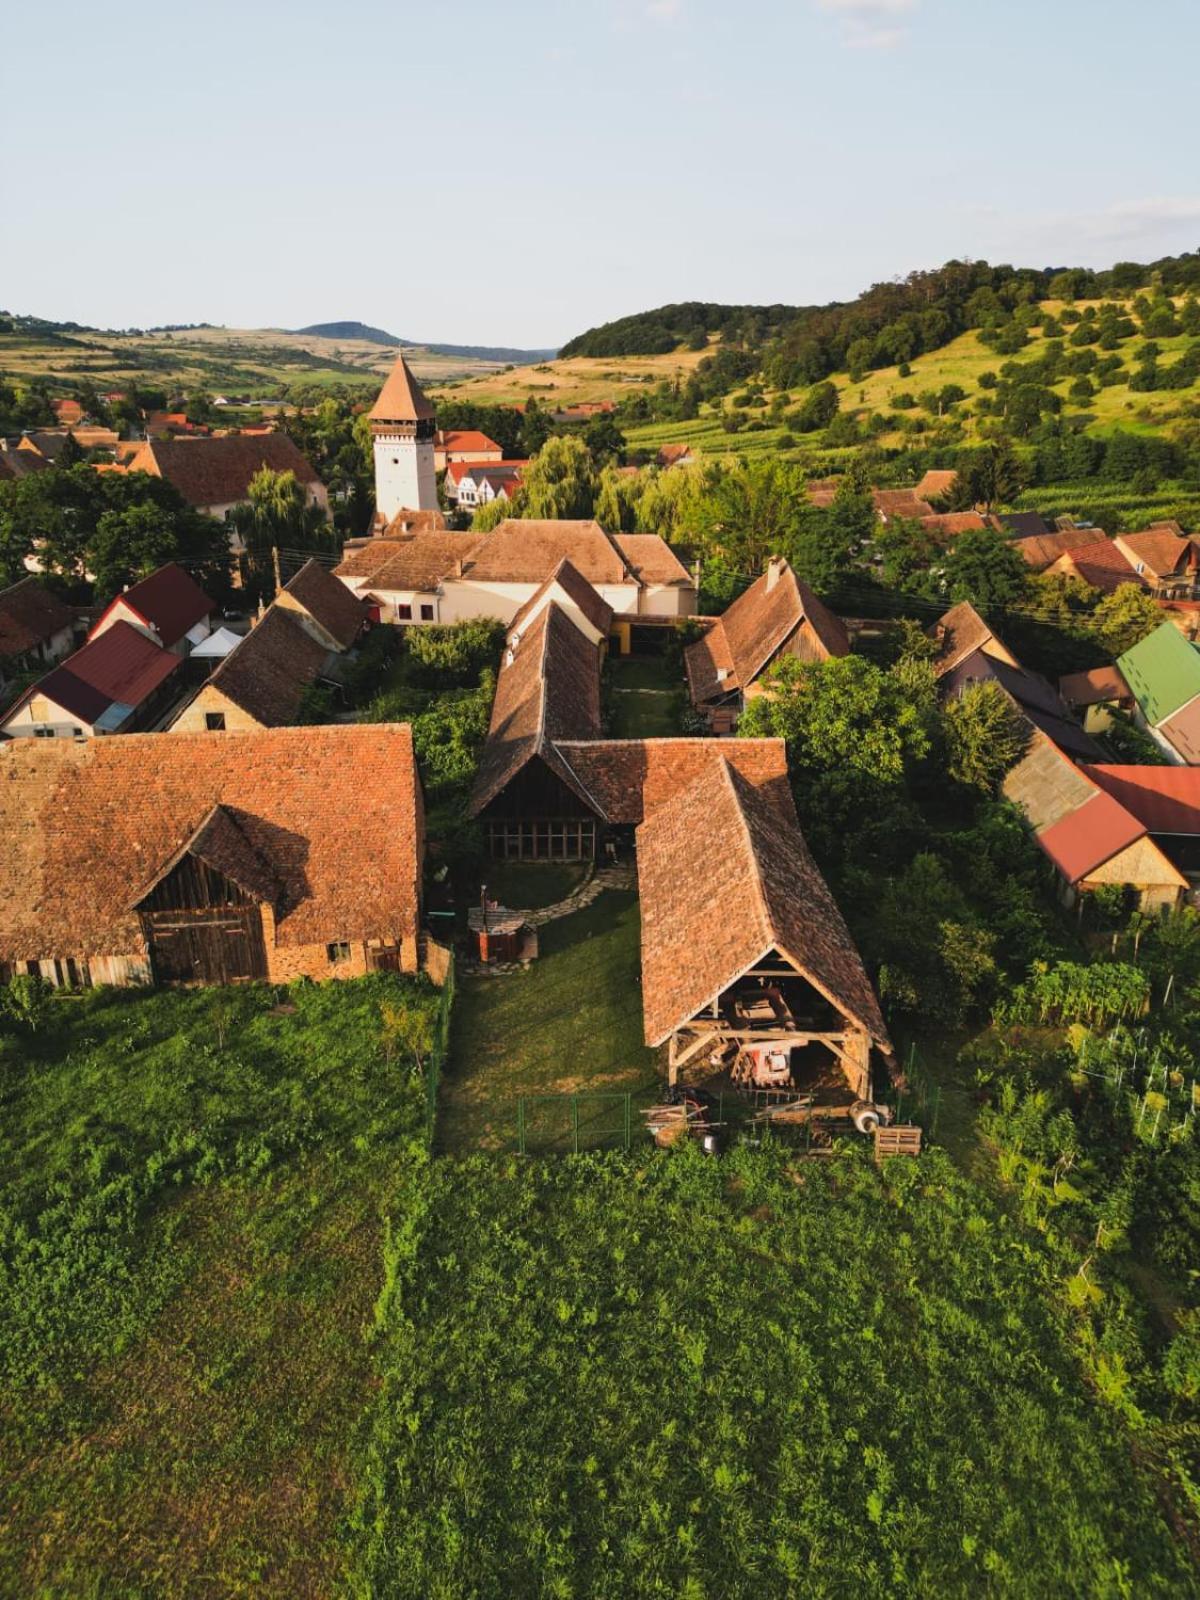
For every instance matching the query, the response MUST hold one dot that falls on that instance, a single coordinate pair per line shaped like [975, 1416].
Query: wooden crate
[901, 1140]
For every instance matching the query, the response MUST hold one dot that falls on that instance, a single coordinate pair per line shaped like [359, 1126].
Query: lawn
[646, 697]
[527, 885]
[191, 1186]
[572, 1022]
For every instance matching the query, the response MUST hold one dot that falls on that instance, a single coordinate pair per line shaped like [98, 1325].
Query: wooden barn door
[207, 946]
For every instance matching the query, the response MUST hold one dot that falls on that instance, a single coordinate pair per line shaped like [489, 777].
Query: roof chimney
[774, 568]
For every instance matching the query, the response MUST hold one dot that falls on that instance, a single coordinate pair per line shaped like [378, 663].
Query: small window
[403, 613]
[77, 733]
[426, 613]
[214, 721]
[43, 733]
[338, 952]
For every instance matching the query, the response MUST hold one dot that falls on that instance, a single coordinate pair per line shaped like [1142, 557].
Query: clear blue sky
[512, 174]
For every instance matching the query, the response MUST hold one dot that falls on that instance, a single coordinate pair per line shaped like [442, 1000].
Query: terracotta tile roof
[547, 689]
[89, 824]
[406, 521]
[1100, 563]
[962, 631]
[419, 562]
[1162, 551]
[20, 464]
[1041, 549]
[1163, 799]
[222, 843]
[30, 615]
[629, 779]
[464, 439]
[1096, 687]
[900, 503]
[935, 483]
[759, 890]
[577, 589]
[759, 622]
[1091, 835]
[402, 399]
[524, 550]
[170, 601]
[820, 491]
[268, 672]
[121, 667]
[328, 602]
[217, 472]
[948, 525]
[671, 455]
[651, 558]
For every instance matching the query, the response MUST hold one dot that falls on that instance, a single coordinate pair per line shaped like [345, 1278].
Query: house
[463, 445]
[946, 526]
[49, 443]
[263, 681]
[214, 475]
[67, 412]
[568, 589]
[472, 486]
[1023, 524]
[173, 425]
[169, 607]
[1042, 550]
[195, 860]
[117, 683]
[18, 463]
[1096, 693]
[1163, 674]
[936, 484]
[744, 950]
[1098, 561]
[1166, 801]
[449, 577]
[893, 504]
[1163, 558]
[1087, 838]
[674, 455]
[777, 616]
[36, 628]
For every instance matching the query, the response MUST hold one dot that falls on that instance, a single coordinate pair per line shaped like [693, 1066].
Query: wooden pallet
[903, 1139]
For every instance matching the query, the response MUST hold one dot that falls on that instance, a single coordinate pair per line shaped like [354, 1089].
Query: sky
[513, 174]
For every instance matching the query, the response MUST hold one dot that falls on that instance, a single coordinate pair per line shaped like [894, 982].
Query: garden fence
[557, 1123]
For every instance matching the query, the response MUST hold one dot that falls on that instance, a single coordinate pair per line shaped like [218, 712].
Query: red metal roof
[121, 667]
[1163, 799]
[169, 601]
[1100, 829]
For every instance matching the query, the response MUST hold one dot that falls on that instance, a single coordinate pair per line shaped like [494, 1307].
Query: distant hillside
[474, 352]
[655, 333]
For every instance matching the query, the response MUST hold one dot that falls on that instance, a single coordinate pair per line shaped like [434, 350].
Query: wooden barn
[196, 858]
[747, 964]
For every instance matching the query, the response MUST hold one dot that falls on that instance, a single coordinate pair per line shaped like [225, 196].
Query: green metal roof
[1163, 672]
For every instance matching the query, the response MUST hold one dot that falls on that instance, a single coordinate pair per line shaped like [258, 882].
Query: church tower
[402, 425]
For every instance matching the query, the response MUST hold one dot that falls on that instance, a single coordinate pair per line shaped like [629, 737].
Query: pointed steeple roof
[402, 399]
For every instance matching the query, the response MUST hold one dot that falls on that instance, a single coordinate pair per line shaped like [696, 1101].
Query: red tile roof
[30, 615]
[1101, 564]
[629, 779]
[1089, 836]
[935, 483]
[1039, 550]
[170, 601]
[418, 562]
[89, 825]
[526, 550]
[121, 667]
[217, 472]
[465, 439]
[651, 558]
[1163, 799]
[328, 602]
[1161, 550]
[742, 642]
[577, 589]
[268, 673]
[961, 631]
[759, 890]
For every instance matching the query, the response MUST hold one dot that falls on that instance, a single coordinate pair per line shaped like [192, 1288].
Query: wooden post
[275, 565]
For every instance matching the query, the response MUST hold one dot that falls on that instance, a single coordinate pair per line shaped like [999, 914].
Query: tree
[818, 410]
[985, 736]
[848, 713]
[1123, 618]
[407, 1026]
[985, 569]
[604, 439]
[991, 476]
[560, 481]
[26, 999]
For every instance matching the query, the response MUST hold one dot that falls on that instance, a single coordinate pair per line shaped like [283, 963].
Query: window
[403, 613]
[337, 952]
[43, 733]
[214, 721]
[426, 613]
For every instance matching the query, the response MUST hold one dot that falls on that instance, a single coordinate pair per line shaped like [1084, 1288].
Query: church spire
[403, 427]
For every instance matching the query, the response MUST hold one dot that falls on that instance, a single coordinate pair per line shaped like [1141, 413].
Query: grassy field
[526, 885]
[191, 1186]
[579, 378]
[240, 359]
[647, 697]
[677, 1376]
[572, 1022]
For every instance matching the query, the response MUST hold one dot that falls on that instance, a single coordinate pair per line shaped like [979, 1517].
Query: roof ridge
[767, 922]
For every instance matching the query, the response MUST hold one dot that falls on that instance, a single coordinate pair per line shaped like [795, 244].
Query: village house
[16, 463]
[749, 960]
[1041, 550]
[1096, 694]
[449, 577]
[214, 475]
[1163, 674]
[469, 486]
[298, 643]
[1098, 561]
[67, 412]
[1088, 838]
[936, 484]
[463, 445]
[1164, 558]
[777, 616]
[169, 607]
[119, 682]
[36, 629]
[196, 860]
[1166, 801]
